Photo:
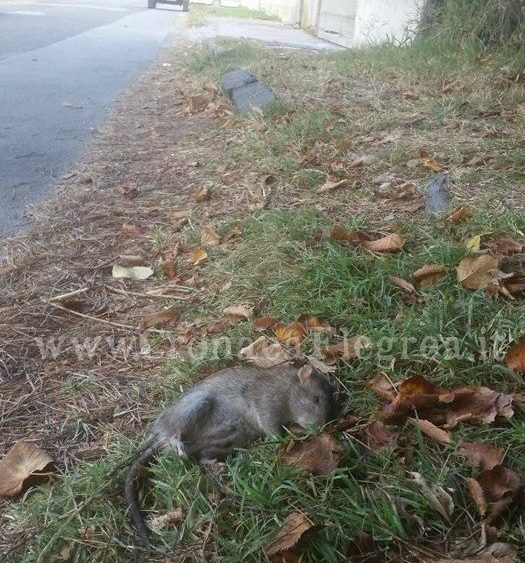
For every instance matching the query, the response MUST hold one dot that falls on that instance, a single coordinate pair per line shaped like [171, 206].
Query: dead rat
[230, 410]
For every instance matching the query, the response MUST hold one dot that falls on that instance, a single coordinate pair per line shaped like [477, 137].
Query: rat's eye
[316, 399]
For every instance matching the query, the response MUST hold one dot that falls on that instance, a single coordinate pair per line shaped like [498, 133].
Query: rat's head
[311, 398]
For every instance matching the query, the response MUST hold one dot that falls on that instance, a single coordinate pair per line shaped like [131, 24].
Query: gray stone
[437, 197]
[236, 79]
[245, 91]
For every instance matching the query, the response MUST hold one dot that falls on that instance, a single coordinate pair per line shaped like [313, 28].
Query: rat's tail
[130, 491]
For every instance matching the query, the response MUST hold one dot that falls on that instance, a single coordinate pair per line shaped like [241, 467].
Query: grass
[199, 14]
[285, 263]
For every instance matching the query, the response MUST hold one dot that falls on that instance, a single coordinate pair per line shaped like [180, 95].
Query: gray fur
[230, 410]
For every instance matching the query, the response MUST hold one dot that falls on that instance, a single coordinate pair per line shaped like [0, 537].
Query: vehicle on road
[152, 4]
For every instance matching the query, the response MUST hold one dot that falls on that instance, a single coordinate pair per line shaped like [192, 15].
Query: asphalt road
[62, 64]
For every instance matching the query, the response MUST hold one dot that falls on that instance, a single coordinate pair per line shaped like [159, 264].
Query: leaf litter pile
[132, 265]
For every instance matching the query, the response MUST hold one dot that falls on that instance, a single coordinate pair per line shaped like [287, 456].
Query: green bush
[483, 23]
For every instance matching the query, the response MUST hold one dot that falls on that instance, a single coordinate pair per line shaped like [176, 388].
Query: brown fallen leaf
[321, 366]
[159, 317]
[389, 243]
[177, 214]
[338, 233]
[432, 431]
[168, 266]
[264, 353]
[505, 246]
[403, 284]
[515, 357]
[315, 324]
[292, 334]
[383, 387]
[474, 404]
[451, 86]
[478, 160]
[209, 236]
[501, 487]
[22, 463]
[474, 272]
[264, 323]
[132, 229]
[378, 436]
[239, 311]
[317, 454]
[431, 164]
[429, 274]
[481, 456]
[294, 527]
[197, 256]
[346, 349]
[332, 184]
[459, 215]
[202, 195]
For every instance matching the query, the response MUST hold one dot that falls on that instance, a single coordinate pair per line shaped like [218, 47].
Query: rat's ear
[304, 373]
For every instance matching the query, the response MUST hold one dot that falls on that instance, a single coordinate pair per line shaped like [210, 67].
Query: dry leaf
[515, 357]
[431, 164]
[474, 271]
[436, 495]
[209, 236]
[132, 229]
[180, 214]
[346, 349]
[505, 246]
[333, 184]
[431, 430]
[133, 273]
[317, 454]
[474, 243]
[169, 267]
[22, 461]
[390, 243]
[264, 323]
[338, 233]
[239, 311]
[313, 323]
[292, 334]
[198, 256]
[159, 317]
[294, 527]
[202, 195]
[459, 215]
[162, 521]
[481, 456]
[403, 284]
[264, 353]
[379, 437]
[383, 387]
[476, 491]
[500, 487]
[429, 274]
[451, 86]
[321, 366]
[475, 404]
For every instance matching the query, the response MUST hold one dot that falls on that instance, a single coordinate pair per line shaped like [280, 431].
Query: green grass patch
[275, 263]
[199, 14]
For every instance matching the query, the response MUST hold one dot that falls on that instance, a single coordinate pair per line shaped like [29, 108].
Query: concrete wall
[351, 23]
[337, 21]
[379, 20]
